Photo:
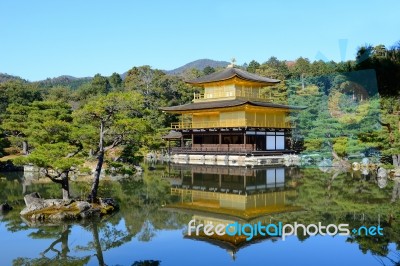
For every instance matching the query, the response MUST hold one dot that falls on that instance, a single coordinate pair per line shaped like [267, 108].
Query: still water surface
[151, 226]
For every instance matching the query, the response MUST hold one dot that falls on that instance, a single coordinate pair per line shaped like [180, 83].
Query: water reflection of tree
[53, 254]
[353, 198]
[105, 236]
[146, 263]
[326, 197]
[140, 208]
[396, 191]
[141, 202]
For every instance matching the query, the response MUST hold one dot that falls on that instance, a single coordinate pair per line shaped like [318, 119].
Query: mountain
[4, 77]
[64, 80]
[198, 64]
[67, 81]
[73, 82]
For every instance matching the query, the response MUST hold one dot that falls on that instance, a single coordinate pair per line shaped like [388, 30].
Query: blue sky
[47, 38]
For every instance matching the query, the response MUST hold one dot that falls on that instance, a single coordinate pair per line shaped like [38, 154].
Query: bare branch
[80, 148]
[116, 142]
[389, 127]
[54, 179]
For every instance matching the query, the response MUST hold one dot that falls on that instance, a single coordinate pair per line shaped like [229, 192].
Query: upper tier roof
[229, 73]
[225, 104]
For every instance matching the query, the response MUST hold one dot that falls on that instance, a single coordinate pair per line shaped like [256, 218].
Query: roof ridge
[229, 73]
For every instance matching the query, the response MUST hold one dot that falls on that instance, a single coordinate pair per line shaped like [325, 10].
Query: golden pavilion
[232, 116]
[224, 195]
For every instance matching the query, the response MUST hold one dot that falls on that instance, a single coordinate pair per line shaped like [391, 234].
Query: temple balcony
[244, 123]
[232, 94]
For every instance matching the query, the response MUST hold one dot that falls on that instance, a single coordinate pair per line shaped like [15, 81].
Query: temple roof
[230, 73]
[227, 103]
[173, 135]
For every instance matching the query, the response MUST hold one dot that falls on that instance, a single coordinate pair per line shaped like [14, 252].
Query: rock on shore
[39, 209]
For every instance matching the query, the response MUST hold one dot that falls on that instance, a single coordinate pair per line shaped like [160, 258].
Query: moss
[69, 212]
[71, 209]
[106, 210]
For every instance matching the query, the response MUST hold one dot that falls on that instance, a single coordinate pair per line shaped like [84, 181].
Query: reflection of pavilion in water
[224, 195]
[245, 193]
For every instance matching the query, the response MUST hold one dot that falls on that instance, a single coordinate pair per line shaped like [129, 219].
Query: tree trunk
[342, 163]
[395, 157]
[64, 241]
[97, 244]
[25, 147]
[396, 191]
[96, 178]
[65, 186]
[97, 172]
[396, 160]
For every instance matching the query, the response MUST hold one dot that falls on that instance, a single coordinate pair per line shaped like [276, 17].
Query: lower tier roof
[227, 103]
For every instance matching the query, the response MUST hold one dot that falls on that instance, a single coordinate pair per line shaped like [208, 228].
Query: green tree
[253, 66]
[100, 84]
[59, 93]
[115, 80]
[15, 124]
[141, 79]
[387, 139]
[208, 70]
[17, 92]
[118, 120]
[191, 73]
[386, 64]
[56, 150]
[57, 160]
[302, 66]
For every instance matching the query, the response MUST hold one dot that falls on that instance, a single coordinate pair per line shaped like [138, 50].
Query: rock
[108, 205]
[5, 207]
[105, 202]
[365, 162]
[364, 171]
[355, 166]
[29, 198]
[382, 177]
[90, 213]
[382, 173]
[35, 203]
[138, 169]
[47, 210]
[397, 172]
[83, 205]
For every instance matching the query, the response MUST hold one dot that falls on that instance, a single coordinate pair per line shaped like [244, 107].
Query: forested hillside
[352, 106]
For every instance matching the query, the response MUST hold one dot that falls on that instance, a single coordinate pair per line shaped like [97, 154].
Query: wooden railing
[228, 94]
[221, 148]
[231, 123]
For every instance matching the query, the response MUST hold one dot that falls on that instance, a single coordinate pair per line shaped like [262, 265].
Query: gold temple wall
[234, 118]
[205, 118]
[214, 92]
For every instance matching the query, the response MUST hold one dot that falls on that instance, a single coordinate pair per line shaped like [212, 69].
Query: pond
[151, 227]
